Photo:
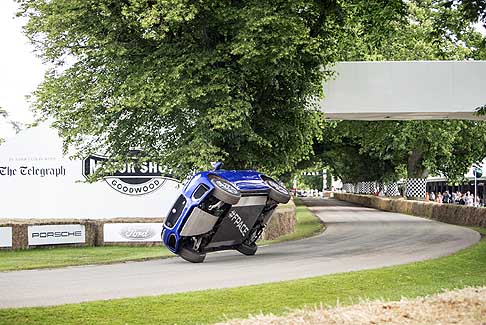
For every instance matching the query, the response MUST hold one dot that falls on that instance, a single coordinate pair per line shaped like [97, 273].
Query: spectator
[477, 203]
[446, 197]
[439, 198]
[469, 199]
[462, 200]
[432, 197]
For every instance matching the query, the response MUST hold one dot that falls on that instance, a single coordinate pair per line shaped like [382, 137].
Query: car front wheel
[225, 191]
[248, 250]
[277, 192]
[191, 255]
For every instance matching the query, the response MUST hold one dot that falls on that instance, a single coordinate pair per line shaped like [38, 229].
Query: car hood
[245, 180]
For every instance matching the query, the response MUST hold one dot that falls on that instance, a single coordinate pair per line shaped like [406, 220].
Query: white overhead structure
[405, 90]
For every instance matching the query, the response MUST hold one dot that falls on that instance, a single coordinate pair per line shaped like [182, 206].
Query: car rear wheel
[248, 250]
[225, 191]
[191, 255]
[277, 192]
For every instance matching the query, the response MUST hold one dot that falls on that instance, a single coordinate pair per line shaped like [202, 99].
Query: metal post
[324, 180]
[475, 187]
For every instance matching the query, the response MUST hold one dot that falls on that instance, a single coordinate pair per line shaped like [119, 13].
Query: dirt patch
[466, 306]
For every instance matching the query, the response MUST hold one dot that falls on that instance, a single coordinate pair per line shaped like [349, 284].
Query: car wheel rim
[277, 187]
[226, 186]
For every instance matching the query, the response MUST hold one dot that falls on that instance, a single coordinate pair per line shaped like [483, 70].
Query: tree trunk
[415, 168]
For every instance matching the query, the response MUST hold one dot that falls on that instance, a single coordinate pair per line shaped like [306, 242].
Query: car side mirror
[217, 165]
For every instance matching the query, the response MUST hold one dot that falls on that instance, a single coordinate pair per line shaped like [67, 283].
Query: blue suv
[219, 210]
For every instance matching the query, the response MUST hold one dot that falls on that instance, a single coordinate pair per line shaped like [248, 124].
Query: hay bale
[420, 209]
[428, 209]
[20, 236]
[400, 206]
[282, 223]
[448, 213]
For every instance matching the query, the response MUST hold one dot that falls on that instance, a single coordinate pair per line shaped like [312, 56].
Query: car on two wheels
[221, 210]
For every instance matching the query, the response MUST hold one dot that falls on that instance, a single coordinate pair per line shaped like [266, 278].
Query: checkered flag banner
[363, 189]
[366, 188]
[372, 187]
[416, 187]
[391, 189]
[348, 187]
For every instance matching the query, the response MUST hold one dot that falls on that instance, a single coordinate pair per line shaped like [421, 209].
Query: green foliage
[427, 30]
[186, 82]
[309, 177]
[388, 150]
[481, 110]
[437, 147]
[339, 151]
[15, 125]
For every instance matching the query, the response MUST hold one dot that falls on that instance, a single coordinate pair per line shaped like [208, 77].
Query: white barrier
[5, 237]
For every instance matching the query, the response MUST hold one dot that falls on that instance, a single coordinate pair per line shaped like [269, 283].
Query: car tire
[248, 250]
[191, 255]
[277, 192]
[225, 191]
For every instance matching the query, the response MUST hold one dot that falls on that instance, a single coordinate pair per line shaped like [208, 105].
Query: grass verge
[71, 256]
[465, 268]
[307, 225]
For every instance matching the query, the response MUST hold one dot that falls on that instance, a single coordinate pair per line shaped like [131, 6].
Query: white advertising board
[38, 181]
[132, 232]
[56, 234]
[5, 236]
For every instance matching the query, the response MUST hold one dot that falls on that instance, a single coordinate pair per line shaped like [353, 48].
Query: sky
[20, 70]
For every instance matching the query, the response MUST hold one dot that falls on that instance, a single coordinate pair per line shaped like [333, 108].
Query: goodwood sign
[131, 179]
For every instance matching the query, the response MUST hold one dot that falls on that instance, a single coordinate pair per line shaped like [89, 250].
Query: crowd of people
[454, 198]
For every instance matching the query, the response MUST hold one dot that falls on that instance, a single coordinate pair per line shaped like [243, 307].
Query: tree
[418, 147]
[427, 31]
[186, 82]
[342, 152]
[15, 125]
[449, 148]
[472, 11]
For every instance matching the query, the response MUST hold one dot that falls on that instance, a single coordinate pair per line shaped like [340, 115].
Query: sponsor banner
[131, 179]
[5, 236]
[56, 234]
[33, 165]
[132, 232]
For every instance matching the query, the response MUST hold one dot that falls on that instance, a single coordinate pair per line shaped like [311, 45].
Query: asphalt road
[356, 238]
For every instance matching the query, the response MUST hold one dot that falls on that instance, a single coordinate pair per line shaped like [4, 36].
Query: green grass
[466, 268]
[307, 225]
[482, 231]
[69, 256]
